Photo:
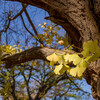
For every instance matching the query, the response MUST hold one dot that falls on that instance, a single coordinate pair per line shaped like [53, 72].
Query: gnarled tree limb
[31, 54]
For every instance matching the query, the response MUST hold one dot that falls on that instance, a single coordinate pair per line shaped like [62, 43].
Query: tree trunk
[80, 19]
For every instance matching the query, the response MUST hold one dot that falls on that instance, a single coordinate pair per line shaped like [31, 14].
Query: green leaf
[93, 46]
[87, 59]
[85, 53]
[95, 56]
[90, 47]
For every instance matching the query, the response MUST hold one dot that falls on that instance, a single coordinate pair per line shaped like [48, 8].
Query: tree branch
[12, 18]
[28, 29]
[31, 23]
[31, 54]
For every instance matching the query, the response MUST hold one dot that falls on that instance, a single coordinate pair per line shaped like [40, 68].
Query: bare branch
[28, 29]
[12, 18]
[31, 23]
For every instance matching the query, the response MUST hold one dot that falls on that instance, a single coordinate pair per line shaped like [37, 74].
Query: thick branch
[31, 54]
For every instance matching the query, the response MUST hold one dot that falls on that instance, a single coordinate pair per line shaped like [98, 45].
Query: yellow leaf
[39, 24]
[52, 64]
[78, 71]
[67, 66]
[41, 45]
[21, 50]
[74, 71]
[34, 37]
[45, 33]
[51, 28]
[43, 26]
[55, 31]
[53, 57]
[61, 42]
[57, 69]
[75, 59]
[64, 68]
[18, 45]
[14, 45]
[66, 57]
[44, 23]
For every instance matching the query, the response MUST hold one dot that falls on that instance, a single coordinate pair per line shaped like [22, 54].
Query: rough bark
[80, 19]
[31, 54]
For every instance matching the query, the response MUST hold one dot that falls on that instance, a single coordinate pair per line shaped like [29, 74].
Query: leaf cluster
[90, 53]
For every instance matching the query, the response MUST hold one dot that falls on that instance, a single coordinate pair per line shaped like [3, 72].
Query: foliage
[43, 74]
[50, 35]
[90, 53]
[8, 50]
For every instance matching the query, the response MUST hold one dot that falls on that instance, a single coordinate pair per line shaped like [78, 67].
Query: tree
[37, 79]
[80, 19]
